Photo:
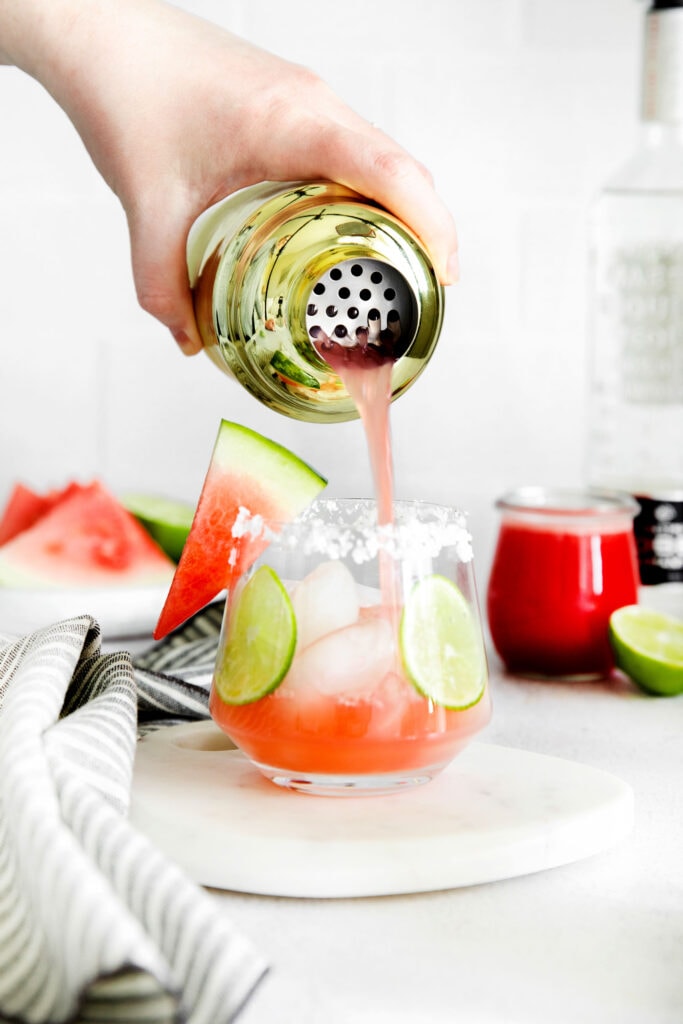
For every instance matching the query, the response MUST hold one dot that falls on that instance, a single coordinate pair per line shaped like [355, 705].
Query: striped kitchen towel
[95, 923]
[174, 677]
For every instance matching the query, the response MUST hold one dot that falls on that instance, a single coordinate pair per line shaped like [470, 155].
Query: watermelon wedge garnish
[248, 476]
[87, 539]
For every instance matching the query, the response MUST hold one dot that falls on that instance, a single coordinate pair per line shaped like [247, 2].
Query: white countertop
[598, 941]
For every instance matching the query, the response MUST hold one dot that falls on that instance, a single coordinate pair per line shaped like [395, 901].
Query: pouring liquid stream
[365, 369]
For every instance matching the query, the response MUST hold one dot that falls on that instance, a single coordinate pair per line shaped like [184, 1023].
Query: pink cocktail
[351, 659]
[376, 695]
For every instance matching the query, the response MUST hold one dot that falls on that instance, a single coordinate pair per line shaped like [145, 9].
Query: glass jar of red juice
[564, 561]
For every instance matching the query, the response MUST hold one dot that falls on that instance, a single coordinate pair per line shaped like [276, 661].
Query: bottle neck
[662, 81]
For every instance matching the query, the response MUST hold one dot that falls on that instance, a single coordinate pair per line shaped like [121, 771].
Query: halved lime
[648, 647]
[168, 522]
[260, 641]
[441, 644]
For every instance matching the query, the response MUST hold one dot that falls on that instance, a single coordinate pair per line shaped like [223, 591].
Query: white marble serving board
[494, 813]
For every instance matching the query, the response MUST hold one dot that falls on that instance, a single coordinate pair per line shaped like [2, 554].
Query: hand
[177, 113]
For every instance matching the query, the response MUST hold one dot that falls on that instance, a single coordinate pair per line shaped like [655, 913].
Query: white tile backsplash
[519, 107]
[580, 25]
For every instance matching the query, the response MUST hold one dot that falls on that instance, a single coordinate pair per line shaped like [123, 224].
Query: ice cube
[324, 601]
[392, 701]
[348, 662]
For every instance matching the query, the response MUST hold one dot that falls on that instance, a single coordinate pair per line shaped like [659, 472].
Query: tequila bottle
[635, 438]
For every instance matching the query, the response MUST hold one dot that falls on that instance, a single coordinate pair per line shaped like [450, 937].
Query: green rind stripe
[267, 460]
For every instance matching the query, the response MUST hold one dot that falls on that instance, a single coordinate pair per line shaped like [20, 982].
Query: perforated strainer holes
[363, 302]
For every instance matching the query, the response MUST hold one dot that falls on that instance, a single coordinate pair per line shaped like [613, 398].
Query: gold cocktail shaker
[280, 270]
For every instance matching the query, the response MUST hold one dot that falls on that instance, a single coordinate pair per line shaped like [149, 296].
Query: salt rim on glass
[349, 529]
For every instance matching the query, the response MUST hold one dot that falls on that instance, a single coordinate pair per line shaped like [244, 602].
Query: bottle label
[647, 286]
[659, 538]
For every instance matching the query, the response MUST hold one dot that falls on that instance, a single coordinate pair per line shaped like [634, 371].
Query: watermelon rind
[291, 481]
[247, 471]
[167, 521]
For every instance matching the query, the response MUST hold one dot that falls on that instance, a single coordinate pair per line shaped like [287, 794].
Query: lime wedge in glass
[648, 647]
[167, 522]
[441, 644]
[260, 642]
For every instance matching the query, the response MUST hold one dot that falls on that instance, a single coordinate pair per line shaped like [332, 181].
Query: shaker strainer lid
[366, 301]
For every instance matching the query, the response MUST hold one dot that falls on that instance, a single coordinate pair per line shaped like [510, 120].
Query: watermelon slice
[247, 472]
[87, 539]
[22, 510]
[25, 507]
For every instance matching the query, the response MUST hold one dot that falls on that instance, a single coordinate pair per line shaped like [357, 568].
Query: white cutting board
[494, 813]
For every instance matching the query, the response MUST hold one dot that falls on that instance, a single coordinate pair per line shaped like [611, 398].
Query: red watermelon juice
[562, 565]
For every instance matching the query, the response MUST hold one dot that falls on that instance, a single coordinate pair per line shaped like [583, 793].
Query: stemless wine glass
[351, 658]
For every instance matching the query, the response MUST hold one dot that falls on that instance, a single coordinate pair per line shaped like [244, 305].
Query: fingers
[336, 143]
[160, 272]
[396, 181]
[365, 159]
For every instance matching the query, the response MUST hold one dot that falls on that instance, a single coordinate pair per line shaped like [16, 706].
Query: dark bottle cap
[665, 5]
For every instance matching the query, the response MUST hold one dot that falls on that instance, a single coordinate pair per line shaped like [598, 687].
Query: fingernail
[186, 344]
[453, 268]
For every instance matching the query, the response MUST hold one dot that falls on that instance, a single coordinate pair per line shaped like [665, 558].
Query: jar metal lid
[572, 502]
